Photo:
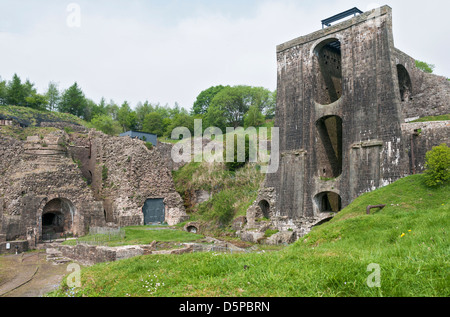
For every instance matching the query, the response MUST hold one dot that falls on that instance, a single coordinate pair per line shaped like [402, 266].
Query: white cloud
[136, 54]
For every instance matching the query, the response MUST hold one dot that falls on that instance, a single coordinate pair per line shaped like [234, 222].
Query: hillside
[29, 122]
[408, 240]
[31, 117]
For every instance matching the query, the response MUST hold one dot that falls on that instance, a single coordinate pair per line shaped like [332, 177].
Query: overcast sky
[168, 51]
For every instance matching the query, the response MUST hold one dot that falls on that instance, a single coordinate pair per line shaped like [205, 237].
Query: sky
[167, 51]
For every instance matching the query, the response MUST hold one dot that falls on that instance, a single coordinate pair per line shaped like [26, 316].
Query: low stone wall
[98, 254]
[20, 246]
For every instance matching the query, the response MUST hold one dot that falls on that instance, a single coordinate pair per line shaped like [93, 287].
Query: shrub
[220, 208]
[437, 166]
[235, 165]
[104, 173]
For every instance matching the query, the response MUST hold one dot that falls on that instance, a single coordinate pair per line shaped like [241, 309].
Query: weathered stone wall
[429, 95]
[41, 173]
[134, 174]
[421, 137]
[14, 246]
[336, 144]
[79, 180]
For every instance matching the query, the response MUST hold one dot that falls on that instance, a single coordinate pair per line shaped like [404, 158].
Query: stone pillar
[31, 237]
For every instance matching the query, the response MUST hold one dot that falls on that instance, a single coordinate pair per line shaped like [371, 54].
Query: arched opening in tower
[404, 82]
[328, 70]
[328, 202]
[329, 147]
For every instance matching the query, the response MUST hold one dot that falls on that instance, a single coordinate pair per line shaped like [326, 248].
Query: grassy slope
[434, 118]
[233, 192]
[32, 119]
[330, 261]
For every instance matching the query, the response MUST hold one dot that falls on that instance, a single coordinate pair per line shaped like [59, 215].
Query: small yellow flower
[409, 230]
[402, 235]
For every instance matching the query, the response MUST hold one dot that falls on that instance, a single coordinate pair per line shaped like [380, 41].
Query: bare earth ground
[29, 275]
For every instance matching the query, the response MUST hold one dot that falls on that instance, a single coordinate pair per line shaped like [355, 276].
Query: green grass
[444, 117]
[234, 190]
[141, 235]
[408, 240]
[33, 117]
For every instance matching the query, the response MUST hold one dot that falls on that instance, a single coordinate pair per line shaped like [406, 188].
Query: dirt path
[29, 275]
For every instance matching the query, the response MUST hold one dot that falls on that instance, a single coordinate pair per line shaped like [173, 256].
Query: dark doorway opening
[57, 218]
[265, 208]
[328, 202]
[329, 147]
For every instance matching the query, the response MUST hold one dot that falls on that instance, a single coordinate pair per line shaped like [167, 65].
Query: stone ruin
[62, 183]
[346, 96]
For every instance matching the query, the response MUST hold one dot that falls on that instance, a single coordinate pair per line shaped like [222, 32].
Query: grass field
[404, 247]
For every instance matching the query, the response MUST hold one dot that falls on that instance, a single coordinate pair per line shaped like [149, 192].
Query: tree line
[218, 106]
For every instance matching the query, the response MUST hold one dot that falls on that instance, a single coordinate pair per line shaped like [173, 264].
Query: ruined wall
[40, 172]
[123, 174]
[65, 183]
[421, 94]
[342, 98]
[420, 138]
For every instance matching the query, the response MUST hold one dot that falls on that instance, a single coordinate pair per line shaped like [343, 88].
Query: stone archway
[57, 217]
[404, 82]
[265, 208]
[328, 202]
[328, 71]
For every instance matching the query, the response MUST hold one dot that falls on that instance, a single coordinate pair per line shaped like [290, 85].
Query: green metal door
[154, 211]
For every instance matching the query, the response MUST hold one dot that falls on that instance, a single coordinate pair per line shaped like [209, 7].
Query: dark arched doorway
[328, 202]
[57, 217]
[265, 208]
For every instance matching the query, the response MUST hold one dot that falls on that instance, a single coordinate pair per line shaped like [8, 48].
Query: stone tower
[344, 95]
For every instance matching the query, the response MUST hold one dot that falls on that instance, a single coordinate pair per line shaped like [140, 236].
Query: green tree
[112, 109]
[37, 101]
[181, 120]
[127, 117]
[153, 123]
[15, 92]
[204, 99]
[143, 109]
[73, 101]
[425, 67]
[106, 124]
[437, 166]
[3, 92]
[254, 117]
[99, 109]
[215, 117]
[53, 96]
[231, 101]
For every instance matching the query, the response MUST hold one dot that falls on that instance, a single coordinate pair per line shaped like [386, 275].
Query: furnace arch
[328, 71]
